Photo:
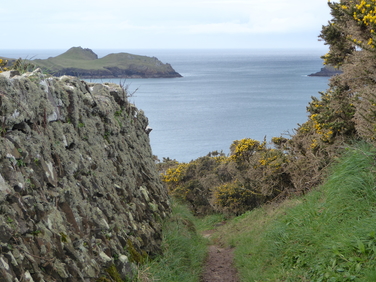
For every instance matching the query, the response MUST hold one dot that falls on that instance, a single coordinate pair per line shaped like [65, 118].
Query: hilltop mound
[83, 62]
[77, 53]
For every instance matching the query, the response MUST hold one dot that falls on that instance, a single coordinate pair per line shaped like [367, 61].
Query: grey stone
[10, 74]
[78, 179]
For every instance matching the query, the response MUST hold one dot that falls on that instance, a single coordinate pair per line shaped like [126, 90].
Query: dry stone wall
[80, 198]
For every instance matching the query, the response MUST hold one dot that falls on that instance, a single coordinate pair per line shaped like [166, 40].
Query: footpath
[219, 265]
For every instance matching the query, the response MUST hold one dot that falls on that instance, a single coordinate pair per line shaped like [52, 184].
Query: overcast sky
[150, 24]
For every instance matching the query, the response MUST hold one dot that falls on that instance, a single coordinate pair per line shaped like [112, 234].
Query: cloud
[228, 27]
[255, 26]
[230, 17]
[80, 19]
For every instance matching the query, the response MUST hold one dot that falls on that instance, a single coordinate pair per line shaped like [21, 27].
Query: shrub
[243, 150]
[250, 176]
[3, 64]
[234, 197]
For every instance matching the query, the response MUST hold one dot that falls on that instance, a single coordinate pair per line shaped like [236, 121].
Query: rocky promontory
[80, 197]
[84, 63]
[327, 71]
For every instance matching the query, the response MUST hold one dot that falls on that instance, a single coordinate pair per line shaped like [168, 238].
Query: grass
[328, 235]
[184, 249]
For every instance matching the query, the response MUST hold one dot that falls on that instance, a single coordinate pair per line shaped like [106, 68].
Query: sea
[222, 96]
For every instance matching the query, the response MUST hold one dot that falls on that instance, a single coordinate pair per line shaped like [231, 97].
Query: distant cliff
[80, 197]
[84, 63]
[327, 71]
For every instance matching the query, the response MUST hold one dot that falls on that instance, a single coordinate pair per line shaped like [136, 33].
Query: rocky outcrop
[327, 71]
[80, 199]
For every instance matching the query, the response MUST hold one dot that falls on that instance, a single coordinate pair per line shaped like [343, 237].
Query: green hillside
[85, 63]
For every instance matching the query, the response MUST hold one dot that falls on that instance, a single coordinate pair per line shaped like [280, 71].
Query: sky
[162, 24]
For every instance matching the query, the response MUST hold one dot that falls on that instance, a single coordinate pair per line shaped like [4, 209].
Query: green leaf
[361, 247]
[358, 267]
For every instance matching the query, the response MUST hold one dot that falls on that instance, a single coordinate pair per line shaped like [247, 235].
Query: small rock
[10, 74]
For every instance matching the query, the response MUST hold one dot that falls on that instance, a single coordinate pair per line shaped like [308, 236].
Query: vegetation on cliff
[84, 63]
[326, 235]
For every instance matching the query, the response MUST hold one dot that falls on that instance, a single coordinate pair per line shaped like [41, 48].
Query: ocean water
[224, 95]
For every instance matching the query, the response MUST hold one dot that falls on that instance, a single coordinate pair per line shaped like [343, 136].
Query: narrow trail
[219, 265]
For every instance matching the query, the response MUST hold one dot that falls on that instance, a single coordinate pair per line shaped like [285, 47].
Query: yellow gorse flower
[246, 147]
[3, 63]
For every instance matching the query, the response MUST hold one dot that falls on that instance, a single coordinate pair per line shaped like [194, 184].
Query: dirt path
[219, 264]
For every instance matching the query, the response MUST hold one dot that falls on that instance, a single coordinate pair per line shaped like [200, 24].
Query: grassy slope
[328, 235]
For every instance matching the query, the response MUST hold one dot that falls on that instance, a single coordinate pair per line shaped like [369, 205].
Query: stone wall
[80, 199]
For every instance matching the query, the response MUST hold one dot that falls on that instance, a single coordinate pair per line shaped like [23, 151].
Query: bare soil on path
[219, 266]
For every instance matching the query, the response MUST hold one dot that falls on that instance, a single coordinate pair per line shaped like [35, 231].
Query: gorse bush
[250, 176]
[235, 197]
[20, 65]
[242, 150]
[333, 114]
[23, 65]
[187, 182]
[3, 64]
[351, 36]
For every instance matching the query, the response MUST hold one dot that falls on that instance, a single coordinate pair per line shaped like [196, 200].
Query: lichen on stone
[78, 184]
